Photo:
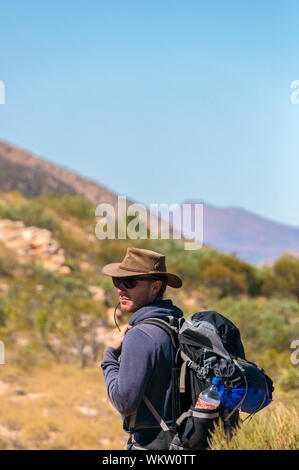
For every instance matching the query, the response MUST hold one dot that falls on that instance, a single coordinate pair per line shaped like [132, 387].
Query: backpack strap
[154, 412]
[196, 414]
[237, 363]
[186, 362]
[169, 327]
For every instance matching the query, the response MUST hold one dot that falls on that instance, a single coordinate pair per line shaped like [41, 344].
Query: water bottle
[209, 398]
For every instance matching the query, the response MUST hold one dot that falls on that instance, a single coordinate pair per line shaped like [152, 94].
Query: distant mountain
[232, 230]
[34, 176]
[252, 237]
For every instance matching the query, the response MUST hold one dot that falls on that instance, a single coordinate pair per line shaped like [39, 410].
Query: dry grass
[274, 428]
[64, 407]
[58, 407]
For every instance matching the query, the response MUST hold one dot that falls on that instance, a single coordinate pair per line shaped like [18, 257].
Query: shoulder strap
[167, 326]
[154, 412]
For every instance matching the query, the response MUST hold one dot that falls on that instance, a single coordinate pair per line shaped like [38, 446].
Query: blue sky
[161, 101]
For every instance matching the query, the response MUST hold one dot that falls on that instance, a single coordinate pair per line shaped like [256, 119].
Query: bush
[2, 312]
[286, 269]
[283, 279]
[221, 277]
[247, 271]
[54, 313]
[69, 206]
[289, 380]
[31, 213]
[270, 285]
[270, 429]
[8, 262]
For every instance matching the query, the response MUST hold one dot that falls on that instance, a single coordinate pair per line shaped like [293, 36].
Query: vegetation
[275, 428]
[57, 406]
[49, 321]
[31, 213]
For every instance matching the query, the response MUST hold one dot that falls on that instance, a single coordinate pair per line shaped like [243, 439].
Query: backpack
[208, 345]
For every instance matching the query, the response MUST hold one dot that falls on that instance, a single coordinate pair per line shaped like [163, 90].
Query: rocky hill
[253, 238]
[34, 176]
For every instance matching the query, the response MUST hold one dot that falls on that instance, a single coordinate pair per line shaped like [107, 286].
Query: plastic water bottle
[209, 398]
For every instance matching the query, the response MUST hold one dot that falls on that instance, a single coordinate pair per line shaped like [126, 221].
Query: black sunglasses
[130, 282]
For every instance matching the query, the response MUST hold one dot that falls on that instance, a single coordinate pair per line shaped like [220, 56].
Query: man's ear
[157, 285]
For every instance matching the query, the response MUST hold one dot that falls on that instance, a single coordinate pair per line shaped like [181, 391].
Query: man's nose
[121, 288]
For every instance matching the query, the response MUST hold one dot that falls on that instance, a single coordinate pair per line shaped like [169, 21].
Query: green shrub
[31, 213]
[2, 312]
[289, 380]
[282, 280]
[221, 277]
[52, 307]
[286, 269]
[8, 262]
[69, 206]
[247, 271]
[274, 428]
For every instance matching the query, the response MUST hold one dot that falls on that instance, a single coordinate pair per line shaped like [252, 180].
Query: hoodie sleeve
[126, 380]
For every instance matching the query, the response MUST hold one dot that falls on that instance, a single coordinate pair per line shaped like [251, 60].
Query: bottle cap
[216, 381]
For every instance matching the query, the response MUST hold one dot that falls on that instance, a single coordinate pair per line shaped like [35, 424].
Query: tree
[221, 277]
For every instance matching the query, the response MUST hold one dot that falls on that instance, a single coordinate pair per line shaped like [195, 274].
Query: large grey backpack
[208, 345]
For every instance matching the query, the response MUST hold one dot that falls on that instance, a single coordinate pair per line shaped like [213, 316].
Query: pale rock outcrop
[33, 244]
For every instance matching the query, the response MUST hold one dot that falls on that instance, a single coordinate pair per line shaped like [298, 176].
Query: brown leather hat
[138, 262]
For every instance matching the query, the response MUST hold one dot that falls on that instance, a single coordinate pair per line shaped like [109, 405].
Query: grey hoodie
[147, 357]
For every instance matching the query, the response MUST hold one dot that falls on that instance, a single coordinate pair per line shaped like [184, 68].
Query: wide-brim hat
[138, 262]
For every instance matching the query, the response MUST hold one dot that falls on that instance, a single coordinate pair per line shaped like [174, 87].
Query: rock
[6, 433]
[33, 244]
[22, 341]
[97, 292]
[3, 387]
[105, 442]
[89, 412]
[3, 287]
[64, 270]
[105, 336]
[85, 266]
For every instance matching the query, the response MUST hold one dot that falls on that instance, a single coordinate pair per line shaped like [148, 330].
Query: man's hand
[117, 344]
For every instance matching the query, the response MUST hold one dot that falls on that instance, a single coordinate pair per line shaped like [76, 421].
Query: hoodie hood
[158, 309]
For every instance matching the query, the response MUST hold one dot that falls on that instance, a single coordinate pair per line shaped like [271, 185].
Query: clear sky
[163, 101]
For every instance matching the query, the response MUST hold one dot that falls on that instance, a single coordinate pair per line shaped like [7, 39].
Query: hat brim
[114, 270]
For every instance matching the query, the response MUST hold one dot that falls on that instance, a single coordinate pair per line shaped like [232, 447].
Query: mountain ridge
[71, 182]
[254, 238]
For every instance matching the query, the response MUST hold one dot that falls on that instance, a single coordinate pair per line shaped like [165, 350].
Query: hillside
[56, 316]
[34, 176]
[253, 238]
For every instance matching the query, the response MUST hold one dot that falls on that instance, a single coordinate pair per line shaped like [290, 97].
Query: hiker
[139, 384]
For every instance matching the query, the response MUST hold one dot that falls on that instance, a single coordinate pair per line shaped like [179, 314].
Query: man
[139, 385]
